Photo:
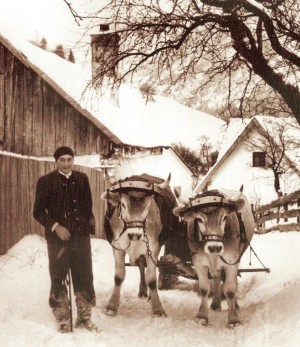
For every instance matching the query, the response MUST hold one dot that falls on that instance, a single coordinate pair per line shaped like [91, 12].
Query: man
[63, 205]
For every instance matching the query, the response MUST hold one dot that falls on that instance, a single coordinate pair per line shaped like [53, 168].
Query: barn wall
[18, 178]
[35, 119]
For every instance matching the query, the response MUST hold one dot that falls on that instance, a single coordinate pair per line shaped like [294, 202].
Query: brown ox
[220, 226]
[135, 225]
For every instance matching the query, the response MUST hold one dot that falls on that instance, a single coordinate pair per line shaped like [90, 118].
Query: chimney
[104, 49]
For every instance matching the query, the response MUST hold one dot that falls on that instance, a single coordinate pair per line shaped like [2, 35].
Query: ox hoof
[110, 312]
[143, 295]
[201, 320]
[215, 307]
[158, 314]
[232, 325]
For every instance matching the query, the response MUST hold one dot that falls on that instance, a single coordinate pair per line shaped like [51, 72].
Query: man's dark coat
[66, 201]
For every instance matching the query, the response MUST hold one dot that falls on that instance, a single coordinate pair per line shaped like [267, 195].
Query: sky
[270, 303]
[52, 19]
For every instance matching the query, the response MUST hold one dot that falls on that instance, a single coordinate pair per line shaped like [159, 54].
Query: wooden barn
[36, 116]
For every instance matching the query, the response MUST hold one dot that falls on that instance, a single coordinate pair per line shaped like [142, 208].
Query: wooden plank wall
[18, 178]
[35, 119]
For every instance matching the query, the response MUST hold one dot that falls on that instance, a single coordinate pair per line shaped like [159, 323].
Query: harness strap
[133, 224]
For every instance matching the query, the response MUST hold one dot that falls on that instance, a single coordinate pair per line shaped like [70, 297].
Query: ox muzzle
[212, 244]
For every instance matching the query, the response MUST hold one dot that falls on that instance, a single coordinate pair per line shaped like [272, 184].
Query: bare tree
[277, 138]
[199, 161]
[194, 43]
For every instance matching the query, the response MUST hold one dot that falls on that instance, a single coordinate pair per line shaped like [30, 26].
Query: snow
[270, 303]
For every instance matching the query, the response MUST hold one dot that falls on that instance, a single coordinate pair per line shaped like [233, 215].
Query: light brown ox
[215, 242]
[136, 226]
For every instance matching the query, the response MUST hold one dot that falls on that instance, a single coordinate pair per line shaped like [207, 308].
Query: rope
[239, 257]
[247, 243]
[251, 249]
[120, 249]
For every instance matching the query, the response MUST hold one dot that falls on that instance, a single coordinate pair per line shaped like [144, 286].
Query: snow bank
[270, 303]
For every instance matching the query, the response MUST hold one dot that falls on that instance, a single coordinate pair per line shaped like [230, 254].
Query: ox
[135, 225]
[220, 226]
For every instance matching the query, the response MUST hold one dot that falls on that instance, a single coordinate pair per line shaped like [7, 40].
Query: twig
[76, 16]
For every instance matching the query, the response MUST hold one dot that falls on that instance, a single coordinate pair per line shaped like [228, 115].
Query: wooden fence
[282, 214]
[18, 178]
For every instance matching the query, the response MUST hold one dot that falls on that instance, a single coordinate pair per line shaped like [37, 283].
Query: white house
[242, 162]
[159, 161]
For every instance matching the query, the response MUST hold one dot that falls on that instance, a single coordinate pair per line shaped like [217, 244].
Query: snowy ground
[270, 303]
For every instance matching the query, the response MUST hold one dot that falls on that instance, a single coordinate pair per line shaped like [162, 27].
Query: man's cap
[62, 151]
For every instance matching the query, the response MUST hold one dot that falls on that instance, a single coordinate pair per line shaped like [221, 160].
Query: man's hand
[62, 232]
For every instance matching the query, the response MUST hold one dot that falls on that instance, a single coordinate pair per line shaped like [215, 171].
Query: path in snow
[270, 303]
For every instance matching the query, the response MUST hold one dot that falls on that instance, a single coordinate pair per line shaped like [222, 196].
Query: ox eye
[123, 205]
[224, 218]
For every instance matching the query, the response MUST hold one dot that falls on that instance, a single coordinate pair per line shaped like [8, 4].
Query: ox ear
[177, 210]
[186, 216]
[113, 198]
[240, 203]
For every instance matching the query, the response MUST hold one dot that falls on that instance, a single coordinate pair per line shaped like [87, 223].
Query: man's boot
[62, 316]
[84, 313]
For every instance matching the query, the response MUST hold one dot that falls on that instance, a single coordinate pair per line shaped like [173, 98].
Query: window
[259, 159]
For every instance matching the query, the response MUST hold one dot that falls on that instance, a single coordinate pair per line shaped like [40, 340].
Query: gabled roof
[53, 70]
[133, 122]
[239, 131]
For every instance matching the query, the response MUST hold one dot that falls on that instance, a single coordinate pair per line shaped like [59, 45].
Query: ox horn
[181, 201]
[242, 188]
[166, 183]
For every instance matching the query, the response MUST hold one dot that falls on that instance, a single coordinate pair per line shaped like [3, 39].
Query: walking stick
[70, 298]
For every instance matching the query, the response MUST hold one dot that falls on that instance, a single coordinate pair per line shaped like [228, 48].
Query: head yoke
[208, 201]
[135, 187]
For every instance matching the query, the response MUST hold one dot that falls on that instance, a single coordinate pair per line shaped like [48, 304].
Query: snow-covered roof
[237, 130]
[65, 77]
[133, 121]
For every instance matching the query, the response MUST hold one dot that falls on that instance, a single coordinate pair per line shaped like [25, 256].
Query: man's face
[65, 163]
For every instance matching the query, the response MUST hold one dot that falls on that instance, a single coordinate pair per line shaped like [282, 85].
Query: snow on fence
[18, 178]
[282, 214]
